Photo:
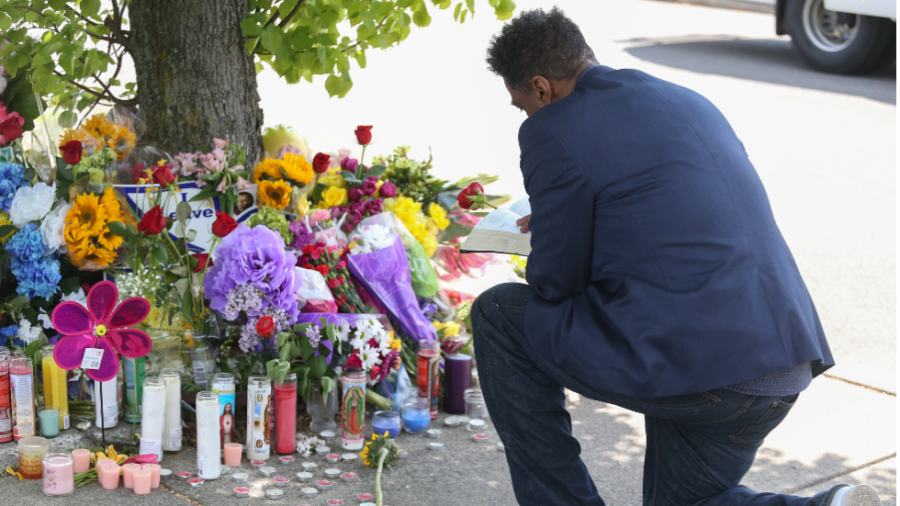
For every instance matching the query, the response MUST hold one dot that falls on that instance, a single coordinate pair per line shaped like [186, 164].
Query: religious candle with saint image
[259, 426]
[353, 410]
[223, 384]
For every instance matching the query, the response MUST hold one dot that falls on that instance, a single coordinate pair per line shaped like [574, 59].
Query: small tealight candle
[349, 477]
[335, 502]
[82, 459]
[155, 474]
[281, 481]
[365, 497]
[308, 492]
[141, 480]
[332, 458]
[324, 485]
[327, 435]
[435, 446]
[165, 474]
[322, 450]
[241, 492]
[267, 471]
[480, 438]
[256, 464]
[183, 475]
[433, 433]
[402, 454]
[286, 460]
[304, 477]
[196, 482]
[310, 467]
[349, 458]
[452, 421]
[275, 494]
[240, 477]
[223, 469]
[476, 424]
[332, 473]
[127, 472]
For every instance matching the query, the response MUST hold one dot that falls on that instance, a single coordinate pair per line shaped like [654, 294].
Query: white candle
[172, 426]
[153, 412]
[208, 447]
[110, 392]
[259, 396]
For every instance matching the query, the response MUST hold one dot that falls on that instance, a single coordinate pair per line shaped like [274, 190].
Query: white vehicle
[841, 36]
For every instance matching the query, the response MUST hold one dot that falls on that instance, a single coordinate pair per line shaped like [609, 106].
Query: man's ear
[540, 88]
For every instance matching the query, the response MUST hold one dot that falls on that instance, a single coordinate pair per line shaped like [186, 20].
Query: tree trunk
[195, 81]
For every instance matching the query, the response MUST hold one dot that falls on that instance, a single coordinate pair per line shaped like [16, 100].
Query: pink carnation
[319, 215]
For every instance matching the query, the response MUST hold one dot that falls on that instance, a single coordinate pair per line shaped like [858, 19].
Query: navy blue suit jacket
[656, 268]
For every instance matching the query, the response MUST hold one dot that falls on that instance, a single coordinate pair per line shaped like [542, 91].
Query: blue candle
[416, 421]
[393, 430]
[386, 421]
[49, 422]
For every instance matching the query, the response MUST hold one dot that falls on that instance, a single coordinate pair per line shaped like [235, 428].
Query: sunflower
[86, 213]
[275, 194]
[100, 127]
[90, 253]
[297, 168]
[110, 204]
[122, 142]
[109, 240]
[74, 134]
[270, 167]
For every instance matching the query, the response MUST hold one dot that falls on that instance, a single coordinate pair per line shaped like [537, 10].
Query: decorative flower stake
[101, 325]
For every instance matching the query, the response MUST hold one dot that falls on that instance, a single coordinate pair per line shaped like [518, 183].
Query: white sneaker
[859, 495]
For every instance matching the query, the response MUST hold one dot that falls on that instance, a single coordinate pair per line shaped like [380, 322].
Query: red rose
[363, 134]
[11, 129]
[163, 175]
[202, 261]
[333, 283]
[153, 222]
[320, 162]
[266, 327]
[137, 173]
[354, 360]
[71, 152]
[472, 190]
[323, 270]
[223, 225]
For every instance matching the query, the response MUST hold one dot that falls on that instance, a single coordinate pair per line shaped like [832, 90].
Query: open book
[498, 232]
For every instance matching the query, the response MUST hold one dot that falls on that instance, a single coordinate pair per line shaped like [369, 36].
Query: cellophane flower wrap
[379, 263]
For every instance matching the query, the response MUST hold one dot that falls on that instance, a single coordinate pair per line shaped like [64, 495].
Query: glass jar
[31, 452]
[476, 410]
[286, 414]
[321, 410]
[386, 422]
[58, 474]
[416, 416]
[203, 364]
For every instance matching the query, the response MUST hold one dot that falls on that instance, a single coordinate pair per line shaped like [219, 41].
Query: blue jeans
[699, 446]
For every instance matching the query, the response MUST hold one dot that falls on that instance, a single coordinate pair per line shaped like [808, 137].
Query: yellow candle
[47, 365]
[61, 394]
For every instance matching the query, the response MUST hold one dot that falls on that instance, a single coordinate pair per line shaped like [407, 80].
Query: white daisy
[343, 331]
[369, 357]
[359, 341]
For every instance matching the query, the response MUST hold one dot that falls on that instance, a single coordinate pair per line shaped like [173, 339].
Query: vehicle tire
[835, 41]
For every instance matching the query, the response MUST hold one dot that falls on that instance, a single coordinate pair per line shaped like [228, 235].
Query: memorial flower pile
[95, 134]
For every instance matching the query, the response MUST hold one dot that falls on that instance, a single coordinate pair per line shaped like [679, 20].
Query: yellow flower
[110, 204]
[431, 227]
[429, 244]
[270, 167]
[74, 134]
[4, 220]
[275, 194]
[122, 141]
[9, 470]
[451, 329]
[334, 196]
[396, 343]
[439, 215]
[302, 206]
[87, 214]
[109, 240]
[100, 256]
[100, 127]
[297, 168]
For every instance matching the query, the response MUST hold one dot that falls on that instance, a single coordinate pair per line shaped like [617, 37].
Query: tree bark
[195, 81]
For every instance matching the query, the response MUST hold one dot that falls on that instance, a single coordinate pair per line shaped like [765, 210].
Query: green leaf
[7, 229]
[187, 307]
[421, 18]
[208, 191]
[306, 349]
[330, 334]
[295, 350]
[317, 366]
[455, 230]
[271, 38]
[67, 119]
[282, 337]
[327, 386]
[183, 211]
[118, 228]
[347, 175]
[159, 253]
[376, 170]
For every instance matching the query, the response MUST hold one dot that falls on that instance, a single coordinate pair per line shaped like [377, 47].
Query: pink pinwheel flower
[101, 325]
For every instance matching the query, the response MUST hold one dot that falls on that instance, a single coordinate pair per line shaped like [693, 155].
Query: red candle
[286, 414]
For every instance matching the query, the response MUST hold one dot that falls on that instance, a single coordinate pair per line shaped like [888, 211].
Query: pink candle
[154, 474]
[108, 474]
[58, 474]
[82, 460]
[127, 471]
[233, 453]
[142, 480]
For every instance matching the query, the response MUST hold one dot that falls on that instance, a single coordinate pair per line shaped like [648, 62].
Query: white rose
[32, 203]
[53, 228]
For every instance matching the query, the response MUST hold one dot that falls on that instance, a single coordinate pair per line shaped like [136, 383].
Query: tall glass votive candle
[353, 410]
[153, 411]
[172, 427]
[6, 416]
[416, 416]
[208, 463]
[429, 368]
[233, 454]
[58, 474]
[223, 384]
[56, 394]
[49, 418]
[22, 392]
[386, 421]
[259, 436]
[109, 390]
[82, 460]
[31, 452]
[286, 414]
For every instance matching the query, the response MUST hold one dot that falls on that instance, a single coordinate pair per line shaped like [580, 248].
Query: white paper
[92, 358]
[66, 422]
[149, 446]
[521, 207]
[175, 438]
[498, 232]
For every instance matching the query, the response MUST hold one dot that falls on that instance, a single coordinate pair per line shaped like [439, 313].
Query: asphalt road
[823, 144]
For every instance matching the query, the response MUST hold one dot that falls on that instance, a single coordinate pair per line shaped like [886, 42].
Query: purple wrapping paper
[385, 274]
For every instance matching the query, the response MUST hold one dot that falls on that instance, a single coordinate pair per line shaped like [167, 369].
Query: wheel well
[780, 26]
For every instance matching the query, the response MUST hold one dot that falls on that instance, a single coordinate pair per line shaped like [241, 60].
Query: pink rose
[387, 190]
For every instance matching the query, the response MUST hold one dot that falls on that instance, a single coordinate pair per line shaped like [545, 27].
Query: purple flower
[337, 212]
[255, 257]
[302, 235]
[354, 194]
[357, 208]
[428, 308]
[370, 186]
[350, 164]
[374, 206]
[388, 190]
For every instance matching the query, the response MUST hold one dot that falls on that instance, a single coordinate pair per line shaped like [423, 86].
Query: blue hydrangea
[12, 177]
[8, 334]
[37, 275]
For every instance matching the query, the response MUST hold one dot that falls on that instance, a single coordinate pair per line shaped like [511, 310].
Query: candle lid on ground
[433, 433]
[274, 493]
[287, 459]
[304, 476]
[196, 482]
[281, 481]
[402, 454]
[223, 469]
[479, 438]
[241, 492]
[349, 477]
[240, 477]
[181, 475]
[435, 446]
[476, 424]
[501, 447]
[308, 492]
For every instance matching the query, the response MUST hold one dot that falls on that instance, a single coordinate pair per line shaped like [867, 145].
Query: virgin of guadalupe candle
[223, 384]
[6, 416]
[153, 410]
[22, 392]
[353, 411]
[58, 474]
[259, 432]
[286, 414]
[208, 446]
[172, 427]
[428, 379]
[109, 390]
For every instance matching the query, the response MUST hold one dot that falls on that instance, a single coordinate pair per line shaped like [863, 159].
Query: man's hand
[523, 223]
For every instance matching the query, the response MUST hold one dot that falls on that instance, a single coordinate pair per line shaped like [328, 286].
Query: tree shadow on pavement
[767, 60]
